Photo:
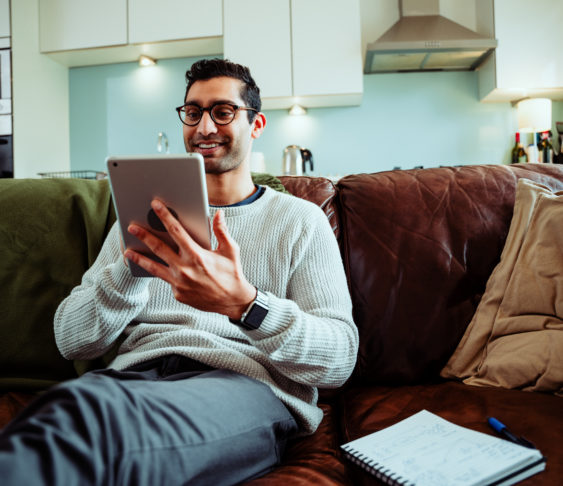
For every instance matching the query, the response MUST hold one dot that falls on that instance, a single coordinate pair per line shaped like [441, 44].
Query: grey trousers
[162, 423]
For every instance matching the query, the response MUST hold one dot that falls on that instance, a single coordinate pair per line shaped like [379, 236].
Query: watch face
[255, 316]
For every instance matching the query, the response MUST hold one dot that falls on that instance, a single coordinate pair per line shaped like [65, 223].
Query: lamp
[146, 61]
[534, 115]
[296, 110]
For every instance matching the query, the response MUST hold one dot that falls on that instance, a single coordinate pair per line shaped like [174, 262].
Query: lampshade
[534, 115]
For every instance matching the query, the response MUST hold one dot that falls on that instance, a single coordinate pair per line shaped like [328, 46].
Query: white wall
[40, 99]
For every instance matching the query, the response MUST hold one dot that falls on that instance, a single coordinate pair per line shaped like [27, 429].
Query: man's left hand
[209, 280]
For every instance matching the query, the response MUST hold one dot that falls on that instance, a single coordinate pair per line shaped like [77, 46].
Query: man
[223, 351]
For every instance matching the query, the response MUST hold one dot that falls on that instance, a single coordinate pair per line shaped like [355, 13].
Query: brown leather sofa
[418, 248]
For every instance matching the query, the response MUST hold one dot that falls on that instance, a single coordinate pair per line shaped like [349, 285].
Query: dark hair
[213, 68]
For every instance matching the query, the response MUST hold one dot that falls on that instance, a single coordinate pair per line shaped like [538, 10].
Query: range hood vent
[427, 43]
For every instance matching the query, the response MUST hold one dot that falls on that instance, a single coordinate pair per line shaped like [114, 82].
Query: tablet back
[177, 180]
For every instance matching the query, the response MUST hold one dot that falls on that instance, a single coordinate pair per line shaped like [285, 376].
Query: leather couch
[418, 247]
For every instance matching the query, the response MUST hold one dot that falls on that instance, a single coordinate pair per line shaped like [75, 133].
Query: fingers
[182, 246]
[154, 268]
[174, 228]
[225, 244]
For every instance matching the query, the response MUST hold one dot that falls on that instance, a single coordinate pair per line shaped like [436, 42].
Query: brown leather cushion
[419, 247]
[12, 403]
[536, 416]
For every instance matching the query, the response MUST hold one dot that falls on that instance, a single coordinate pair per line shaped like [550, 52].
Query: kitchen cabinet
[72, 24]
[327, 56]
[295, 57]
[165, 20]
[82, 33]
[4, 18]
[527, 61]
[264, 46]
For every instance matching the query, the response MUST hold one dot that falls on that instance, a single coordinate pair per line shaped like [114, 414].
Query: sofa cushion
[515, 339]
[536, 416]
[418, 248]
[12, 403]
[269, 180]
[51, 230]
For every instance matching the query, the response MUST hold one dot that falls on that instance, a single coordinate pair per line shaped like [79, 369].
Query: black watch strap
[256, 312]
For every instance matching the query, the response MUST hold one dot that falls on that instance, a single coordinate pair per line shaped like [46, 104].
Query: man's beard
[219, 165]
[224, 164]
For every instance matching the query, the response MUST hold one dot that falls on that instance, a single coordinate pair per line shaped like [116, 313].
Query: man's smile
[208, 147]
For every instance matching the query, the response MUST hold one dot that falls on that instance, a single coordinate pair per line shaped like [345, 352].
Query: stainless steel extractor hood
[427, 43]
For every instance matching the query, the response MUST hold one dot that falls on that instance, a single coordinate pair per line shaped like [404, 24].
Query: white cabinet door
[327, 55]
[257, 34]
[530, 36]
[163, 20]
[4, 18]
[299, 51]
[527, 61]
[79, 24]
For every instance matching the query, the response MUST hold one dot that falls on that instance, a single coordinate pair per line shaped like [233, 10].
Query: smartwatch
[255, 313]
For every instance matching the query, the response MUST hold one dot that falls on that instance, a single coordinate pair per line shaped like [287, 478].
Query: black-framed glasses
[221, 113]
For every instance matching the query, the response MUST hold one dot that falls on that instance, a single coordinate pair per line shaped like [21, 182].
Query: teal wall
[405, 120]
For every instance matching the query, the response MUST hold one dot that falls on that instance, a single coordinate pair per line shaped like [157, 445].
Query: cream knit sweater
[288, 250]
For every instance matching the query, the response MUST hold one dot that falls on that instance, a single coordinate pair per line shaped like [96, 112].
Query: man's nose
[206, 125]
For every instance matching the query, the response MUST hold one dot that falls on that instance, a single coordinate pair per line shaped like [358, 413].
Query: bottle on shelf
[558, 157]
[547, 147]
[518, 153]
[539, 145]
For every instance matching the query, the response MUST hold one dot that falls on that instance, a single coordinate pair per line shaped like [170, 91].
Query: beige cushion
[515, 339]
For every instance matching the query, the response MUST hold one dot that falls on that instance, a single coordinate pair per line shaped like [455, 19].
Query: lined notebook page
[428, 450]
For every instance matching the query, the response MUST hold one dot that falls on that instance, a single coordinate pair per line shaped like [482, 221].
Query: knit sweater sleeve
[92, 317]
[308, 334]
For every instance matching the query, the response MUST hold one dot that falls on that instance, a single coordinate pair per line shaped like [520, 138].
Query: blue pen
[500, 428]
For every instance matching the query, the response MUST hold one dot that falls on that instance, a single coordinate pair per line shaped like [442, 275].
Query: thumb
[225, 244]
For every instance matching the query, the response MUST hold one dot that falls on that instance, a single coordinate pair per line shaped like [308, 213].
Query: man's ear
[258, 125]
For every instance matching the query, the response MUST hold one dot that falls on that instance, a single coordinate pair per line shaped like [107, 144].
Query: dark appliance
[6, 151]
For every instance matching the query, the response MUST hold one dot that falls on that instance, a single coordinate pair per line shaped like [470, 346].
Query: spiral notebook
[426, 450]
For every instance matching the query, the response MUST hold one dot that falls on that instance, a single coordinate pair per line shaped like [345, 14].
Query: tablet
[177, 180]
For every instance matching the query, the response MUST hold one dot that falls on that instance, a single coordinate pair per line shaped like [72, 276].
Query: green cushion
[51, 231]
[268, 180]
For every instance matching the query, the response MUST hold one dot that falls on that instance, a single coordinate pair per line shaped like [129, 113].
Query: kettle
[295, 159]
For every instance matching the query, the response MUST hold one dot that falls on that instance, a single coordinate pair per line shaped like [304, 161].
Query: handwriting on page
[431, 451]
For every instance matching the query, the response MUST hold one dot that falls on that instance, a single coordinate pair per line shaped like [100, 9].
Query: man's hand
[211, 281]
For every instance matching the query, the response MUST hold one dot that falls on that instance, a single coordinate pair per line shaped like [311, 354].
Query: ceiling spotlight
[146, 61]
[297, 110]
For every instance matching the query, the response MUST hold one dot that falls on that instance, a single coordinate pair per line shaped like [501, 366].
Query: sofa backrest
[418, 248]
[51, 231]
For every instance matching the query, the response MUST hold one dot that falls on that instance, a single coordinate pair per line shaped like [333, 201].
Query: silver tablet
[177, 180]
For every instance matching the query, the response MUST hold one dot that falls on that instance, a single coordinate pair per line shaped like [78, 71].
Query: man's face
[223, 147]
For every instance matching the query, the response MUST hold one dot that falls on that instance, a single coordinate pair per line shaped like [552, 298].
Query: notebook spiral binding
[373, 467]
